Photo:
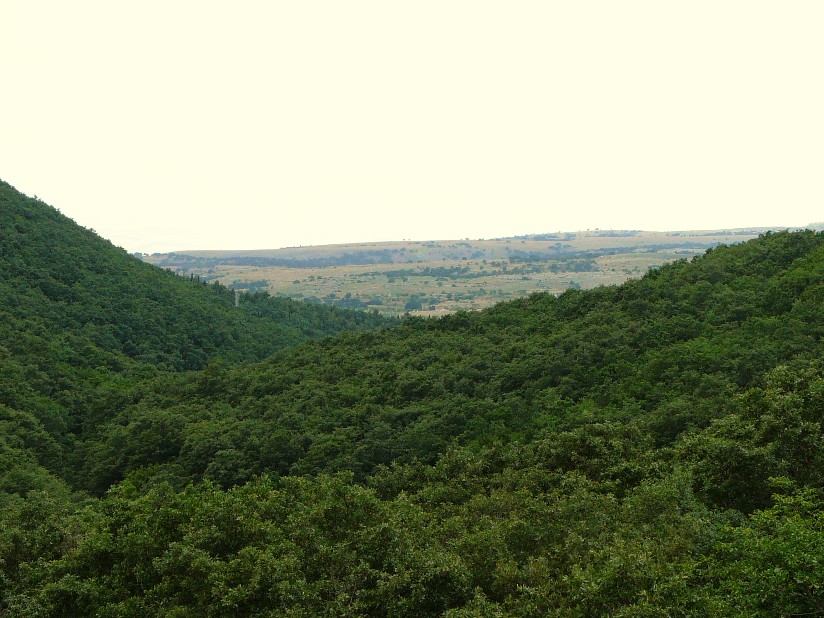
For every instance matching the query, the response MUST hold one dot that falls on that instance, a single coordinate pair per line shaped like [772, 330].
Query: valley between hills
[651, 447]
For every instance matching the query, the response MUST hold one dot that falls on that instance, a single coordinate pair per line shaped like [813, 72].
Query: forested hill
[80, 319]
[60, 278]
[670, 351]
[655, 448]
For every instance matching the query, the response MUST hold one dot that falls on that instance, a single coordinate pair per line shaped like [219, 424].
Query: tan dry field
[440, 277]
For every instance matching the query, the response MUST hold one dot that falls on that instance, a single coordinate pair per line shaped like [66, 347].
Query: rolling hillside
[80, 318]
[654, 448]
[671, 351]
[433, 278]
[67, 277]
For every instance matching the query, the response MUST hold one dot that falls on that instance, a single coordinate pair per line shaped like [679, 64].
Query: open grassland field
[440, 277]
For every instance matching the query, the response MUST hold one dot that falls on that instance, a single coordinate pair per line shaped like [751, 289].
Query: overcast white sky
[182, 125]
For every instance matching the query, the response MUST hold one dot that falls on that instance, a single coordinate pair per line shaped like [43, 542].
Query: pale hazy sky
[182, 125]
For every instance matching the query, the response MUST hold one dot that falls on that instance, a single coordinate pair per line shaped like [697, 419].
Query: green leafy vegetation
[654, 448]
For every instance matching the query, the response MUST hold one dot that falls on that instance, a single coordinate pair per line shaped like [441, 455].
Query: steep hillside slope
[655, 448]
[672, 350]
[64, 277]
[80, 318]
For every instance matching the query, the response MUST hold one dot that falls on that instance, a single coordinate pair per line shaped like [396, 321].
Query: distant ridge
[341, 248]
[395, 252]
[645, 449]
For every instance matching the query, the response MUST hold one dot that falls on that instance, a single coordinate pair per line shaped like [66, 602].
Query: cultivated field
[438, 277]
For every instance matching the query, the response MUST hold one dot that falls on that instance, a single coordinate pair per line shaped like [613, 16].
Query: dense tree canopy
[655, 448]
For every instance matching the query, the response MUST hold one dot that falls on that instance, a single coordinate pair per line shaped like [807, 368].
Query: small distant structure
[237, 298]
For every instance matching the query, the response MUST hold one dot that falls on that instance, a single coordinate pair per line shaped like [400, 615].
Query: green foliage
[671, 352]
[779, 432]
[82, 323]
[644, 450]
[771, 564]
[61, 279]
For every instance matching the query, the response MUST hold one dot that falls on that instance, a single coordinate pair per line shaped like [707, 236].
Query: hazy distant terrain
[438, 277]
[649, 449]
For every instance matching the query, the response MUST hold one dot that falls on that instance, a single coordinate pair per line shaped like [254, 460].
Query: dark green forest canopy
[59, 276]
[79, 316]
[671, 351]
[650, 449]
